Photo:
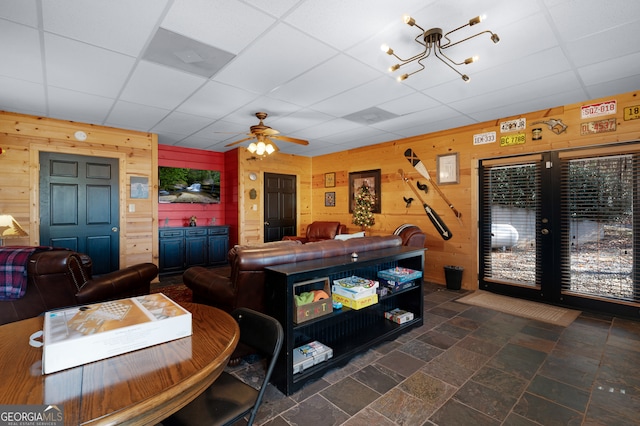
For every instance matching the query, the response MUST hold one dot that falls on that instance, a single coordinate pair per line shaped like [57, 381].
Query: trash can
[453, 276]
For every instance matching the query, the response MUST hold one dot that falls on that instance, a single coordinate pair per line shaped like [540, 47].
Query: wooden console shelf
[348, 332]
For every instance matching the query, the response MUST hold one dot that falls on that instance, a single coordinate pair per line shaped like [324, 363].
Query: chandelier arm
[465, 39]
[449, 59]
[424, 54]
[447, 63]
[456, 29]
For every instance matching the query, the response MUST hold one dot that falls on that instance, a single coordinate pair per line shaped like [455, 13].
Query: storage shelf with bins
[183, 247]
[348, 332]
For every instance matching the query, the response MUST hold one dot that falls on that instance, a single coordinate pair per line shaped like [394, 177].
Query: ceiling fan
[263, 135]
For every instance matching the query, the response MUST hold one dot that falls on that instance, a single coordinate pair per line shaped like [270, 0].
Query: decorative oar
[437, 222]
[420, 168]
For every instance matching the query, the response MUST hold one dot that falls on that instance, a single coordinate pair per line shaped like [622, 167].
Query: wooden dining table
[136, 388]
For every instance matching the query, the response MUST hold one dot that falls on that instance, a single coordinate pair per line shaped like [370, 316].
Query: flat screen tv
[181, 185]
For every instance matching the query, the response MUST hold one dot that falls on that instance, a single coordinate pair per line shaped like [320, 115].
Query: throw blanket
[13, 271]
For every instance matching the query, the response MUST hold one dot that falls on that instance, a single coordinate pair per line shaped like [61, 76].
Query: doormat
[522, 308]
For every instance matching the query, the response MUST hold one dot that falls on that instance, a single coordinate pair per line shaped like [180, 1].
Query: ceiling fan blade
[270, 132]
[240, 141]
[290, 139]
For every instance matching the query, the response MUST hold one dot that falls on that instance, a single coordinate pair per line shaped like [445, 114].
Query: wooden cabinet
[348, 332]
[181, 248]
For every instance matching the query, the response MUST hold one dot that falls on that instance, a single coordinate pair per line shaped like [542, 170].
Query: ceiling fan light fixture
[252, 147]
[260, 148]
[436, 41]
[270, 149]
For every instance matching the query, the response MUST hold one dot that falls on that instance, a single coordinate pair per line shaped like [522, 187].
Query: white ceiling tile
[123, 29]
[215, 100]
[334, 76]
[181, 124]
[159, 86]
[21, 58]
[306, 62]
[227, 25]
[267, 65]
[87, 108]
[22, 11]
[22, 96]
[362, 97]
[77, 66]
[342, 23]
[135, 116]
[592, 17]
[581, 52]
[274, 7]
[613, 69]
[408, 104]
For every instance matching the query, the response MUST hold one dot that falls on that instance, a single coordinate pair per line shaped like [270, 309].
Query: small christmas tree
[363, 210]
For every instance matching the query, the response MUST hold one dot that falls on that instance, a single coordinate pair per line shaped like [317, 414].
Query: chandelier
[261, 148]
[432, 41]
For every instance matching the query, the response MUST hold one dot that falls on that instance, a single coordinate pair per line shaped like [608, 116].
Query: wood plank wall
[22, 137]
[462, 249]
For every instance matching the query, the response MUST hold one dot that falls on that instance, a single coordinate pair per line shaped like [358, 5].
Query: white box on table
[87, 333]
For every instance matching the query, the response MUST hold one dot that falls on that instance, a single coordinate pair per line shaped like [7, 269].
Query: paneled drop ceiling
[196, 71]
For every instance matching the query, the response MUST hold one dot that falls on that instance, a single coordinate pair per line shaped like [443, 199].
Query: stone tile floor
[475, 366]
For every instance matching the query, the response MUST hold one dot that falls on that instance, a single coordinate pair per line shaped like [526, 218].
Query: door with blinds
[560, 227]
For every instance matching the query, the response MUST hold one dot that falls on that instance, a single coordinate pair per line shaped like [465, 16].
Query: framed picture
[371, 178]
[329, 199]
[448, 171]
[329, 180]
[139, 187]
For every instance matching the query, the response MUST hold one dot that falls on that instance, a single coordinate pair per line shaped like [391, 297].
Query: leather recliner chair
[319, 231]
[61, 278]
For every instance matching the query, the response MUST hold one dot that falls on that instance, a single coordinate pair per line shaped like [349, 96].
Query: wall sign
[601, 126]
[482, 138]
[632, 113]
[513, 125]
[599, 109]
[509, 140]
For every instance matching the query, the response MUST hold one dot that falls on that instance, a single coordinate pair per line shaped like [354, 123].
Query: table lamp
[10, 228]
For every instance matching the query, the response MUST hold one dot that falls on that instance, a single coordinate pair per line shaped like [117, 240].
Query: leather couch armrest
[210, 287]
[128, 282]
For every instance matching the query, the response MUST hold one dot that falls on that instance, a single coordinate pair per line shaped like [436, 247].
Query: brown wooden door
[279, 206]
[79, 207]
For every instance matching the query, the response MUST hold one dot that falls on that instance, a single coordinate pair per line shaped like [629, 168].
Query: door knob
[267, 223]
[114, 229]
[545, 231]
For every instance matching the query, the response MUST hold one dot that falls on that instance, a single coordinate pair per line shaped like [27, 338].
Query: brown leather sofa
[412, 236]
[320, 231]
[245, 285]
[61, 278]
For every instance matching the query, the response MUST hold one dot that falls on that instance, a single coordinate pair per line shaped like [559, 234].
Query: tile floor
[474, 366]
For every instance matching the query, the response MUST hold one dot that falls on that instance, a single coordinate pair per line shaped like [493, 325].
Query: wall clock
[253, 176]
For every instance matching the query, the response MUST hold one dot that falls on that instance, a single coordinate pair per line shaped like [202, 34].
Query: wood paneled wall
[462, 249]
[251, 212]
[23, 137]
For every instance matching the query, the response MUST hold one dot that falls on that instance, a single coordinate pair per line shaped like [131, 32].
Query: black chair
[229, 399]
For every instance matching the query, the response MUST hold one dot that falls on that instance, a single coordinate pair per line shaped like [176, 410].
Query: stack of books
[399, 316]
[355, 292]
[308, 355]
[399, 278]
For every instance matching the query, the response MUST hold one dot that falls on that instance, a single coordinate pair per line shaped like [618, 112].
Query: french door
[561, 227]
